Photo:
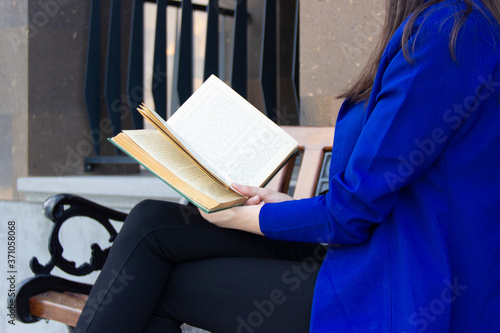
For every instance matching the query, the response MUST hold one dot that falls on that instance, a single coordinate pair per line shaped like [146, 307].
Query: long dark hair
[397, 12]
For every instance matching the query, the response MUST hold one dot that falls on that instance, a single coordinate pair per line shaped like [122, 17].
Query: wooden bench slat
[76, 295]
[61, 307]
[309, 173]
[314, 141]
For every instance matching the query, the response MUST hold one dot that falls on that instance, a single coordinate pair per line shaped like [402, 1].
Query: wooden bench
[46, 296]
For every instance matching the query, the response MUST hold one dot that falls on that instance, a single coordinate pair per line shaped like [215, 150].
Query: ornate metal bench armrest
[37, 285]
[60, 208]
[54, 207]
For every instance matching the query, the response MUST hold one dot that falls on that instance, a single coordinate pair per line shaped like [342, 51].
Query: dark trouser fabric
[169, 266]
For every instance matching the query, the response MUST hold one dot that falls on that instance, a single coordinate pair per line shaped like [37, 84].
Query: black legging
[169, 266]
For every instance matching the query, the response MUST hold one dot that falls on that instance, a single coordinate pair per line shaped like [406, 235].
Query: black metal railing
[114, 83]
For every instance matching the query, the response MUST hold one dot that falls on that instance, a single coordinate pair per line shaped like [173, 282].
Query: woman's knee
[150, 214]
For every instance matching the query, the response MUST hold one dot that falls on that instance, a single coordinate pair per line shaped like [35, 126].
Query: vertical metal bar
[287, 108]
[296, 58]
[183, 76]
[92, 83]
[135, 84]
[239, 60]
[174, 94]
[112, 82]
[268, 69]
[212, 41]
[222, 49]
[159, 84]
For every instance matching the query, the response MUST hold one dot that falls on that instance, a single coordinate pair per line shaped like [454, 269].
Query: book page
[230, 136]
[161, 149]
[159, 124]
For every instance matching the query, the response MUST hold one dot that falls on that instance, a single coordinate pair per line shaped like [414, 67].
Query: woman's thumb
[249, 191]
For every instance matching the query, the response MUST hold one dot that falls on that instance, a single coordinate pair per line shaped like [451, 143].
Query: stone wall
[13, 94]
[336, 39]
[56, 109]
[42, 64]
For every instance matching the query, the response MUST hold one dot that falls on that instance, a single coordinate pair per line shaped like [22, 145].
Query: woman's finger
[255, 200]
[249, 191]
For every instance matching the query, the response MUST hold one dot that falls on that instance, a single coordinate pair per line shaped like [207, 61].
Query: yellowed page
[229, 136]
[159, 124]
[167, 154]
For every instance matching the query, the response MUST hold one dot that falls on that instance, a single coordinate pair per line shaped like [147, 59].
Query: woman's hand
[258, 195]
[246, 217]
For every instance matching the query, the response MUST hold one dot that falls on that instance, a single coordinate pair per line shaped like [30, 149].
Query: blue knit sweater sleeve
[415, 110]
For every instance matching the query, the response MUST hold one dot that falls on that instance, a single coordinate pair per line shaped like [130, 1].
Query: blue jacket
[414, 191]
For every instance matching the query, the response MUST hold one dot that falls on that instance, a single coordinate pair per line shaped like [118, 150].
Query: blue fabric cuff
[302, 220]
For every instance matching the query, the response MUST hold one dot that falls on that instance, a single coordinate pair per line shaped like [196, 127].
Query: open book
[216, 138]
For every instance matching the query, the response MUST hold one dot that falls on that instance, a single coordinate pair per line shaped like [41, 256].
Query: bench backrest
[314, 142]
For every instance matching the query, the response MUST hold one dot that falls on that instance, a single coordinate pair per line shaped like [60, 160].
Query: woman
[414, 200]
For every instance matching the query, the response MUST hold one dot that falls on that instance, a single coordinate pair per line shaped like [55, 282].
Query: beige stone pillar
[42, 115]
[14, 36]
[336, 39]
